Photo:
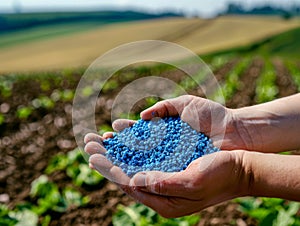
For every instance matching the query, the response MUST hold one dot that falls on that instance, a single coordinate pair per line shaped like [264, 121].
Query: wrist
[271, 175]
[250, 125]
[245, 173]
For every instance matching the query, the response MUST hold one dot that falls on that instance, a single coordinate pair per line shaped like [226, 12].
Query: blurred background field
[74, 44]
[253, 51]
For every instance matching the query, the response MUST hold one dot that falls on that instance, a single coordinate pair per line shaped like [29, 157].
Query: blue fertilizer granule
[167, 144]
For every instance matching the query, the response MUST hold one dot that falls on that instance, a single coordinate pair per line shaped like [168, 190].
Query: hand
[206, 181]
[191, 190]
[211, 118]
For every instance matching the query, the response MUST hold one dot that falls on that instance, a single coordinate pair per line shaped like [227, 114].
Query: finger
[165, 108]
[121, 124]
[92, 137]
[165, 206]
[107, 135]
[161, 183]
[94, 148]
[108, 170]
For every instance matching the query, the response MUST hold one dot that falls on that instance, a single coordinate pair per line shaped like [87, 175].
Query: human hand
[208, 180]
[203, 115]
[211, 118]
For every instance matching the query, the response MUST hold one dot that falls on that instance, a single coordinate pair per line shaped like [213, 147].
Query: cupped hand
[206, 116]
[207, 181]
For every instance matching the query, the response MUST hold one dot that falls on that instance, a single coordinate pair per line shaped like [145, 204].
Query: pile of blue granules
[167, 144]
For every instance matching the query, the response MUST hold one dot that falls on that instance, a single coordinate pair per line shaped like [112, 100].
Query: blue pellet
[168, 145]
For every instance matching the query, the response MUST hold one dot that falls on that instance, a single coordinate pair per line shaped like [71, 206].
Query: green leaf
[272, 202]
[2, 118]
[87, 176]
[46, 102]
[74, 156]
[25, 218]
[248, 204]
[259, 213]
[46, 220]
[268, 220]
[24, 112]
[283, 218]
[105, 128]
[87, 91]
[140, 215]
[110, 85]
[39, 187]
[67, 95]
[58, 162]
[74, 198]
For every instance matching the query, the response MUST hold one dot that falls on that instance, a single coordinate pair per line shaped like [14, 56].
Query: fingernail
[140, 179]
[92, 166]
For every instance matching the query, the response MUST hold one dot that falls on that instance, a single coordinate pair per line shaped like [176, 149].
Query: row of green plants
[46, 197]
[232, 80]
[272, 211]
[294, 71]
[189, 83]
[140, 215]
[266, 88]
[231, 83]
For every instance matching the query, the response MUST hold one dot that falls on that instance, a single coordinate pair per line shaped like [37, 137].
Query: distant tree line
[19, 21]
[238, 9]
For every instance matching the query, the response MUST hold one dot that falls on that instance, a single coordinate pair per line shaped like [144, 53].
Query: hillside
[81, 48]
[24, 21]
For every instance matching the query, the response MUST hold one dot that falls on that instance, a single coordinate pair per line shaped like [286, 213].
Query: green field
[22, 37]
[282, 45]
[22, 28]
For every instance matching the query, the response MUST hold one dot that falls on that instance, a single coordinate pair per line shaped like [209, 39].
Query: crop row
[61, 199]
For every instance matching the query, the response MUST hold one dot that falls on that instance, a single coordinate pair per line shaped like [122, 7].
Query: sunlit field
[45, 179]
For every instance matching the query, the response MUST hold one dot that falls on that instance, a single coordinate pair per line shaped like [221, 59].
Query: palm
[209, 117]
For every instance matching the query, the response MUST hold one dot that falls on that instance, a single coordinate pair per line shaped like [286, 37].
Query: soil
[27, 145]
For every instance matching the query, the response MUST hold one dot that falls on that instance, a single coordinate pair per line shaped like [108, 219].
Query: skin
[245, 166]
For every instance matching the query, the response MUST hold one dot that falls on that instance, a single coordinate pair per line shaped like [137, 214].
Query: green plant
[189, 83]
[67, 95]
[46, 102]
[2, 118]
[6, 85]
[232, 80]
[6, 216]
[220, 60]
[50, 197]
[45, 85]
[76, 168]
[271, 211]
[110, 85]
[295, 73]
[266, 89]
[151, 101]
[87, 91]
[104, 128]
[140, 215]
[24, 112]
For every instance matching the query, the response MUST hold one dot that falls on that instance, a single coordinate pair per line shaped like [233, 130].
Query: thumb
[161, 183]
[165, 108]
